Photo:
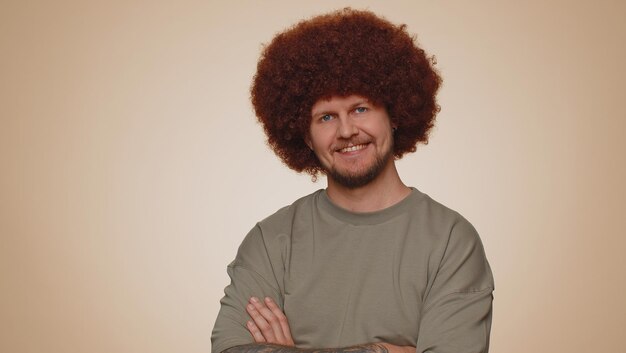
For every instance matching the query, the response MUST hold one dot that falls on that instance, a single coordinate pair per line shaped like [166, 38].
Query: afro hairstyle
[339, 54]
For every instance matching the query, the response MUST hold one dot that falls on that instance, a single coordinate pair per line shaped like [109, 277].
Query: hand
[268, 324]
[391, 348]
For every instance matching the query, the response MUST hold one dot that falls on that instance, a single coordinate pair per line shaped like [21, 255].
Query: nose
[347, 128]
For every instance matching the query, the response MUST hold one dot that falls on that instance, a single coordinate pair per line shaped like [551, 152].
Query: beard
[353, 180]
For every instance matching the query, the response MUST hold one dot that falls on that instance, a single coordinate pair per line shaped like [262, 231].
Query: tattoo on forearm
[273, 348]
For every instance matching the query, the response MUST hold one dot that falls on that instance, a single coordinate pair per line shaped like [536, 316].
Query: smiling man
[352, 139]
[367, 264]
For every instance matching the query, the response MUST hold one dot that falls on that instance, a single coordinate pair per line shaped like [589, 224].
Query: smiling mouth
[352, 148]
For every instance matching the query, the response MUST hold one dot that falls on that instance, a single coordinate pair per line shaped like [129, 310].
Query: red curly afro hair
[338, 54]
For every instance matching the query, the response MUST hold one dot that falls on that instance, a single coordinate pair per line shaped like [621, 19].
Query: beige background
[132, 165]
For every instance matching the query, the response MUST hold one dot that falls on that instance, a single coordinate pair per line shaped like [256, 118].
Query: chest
[354, 286]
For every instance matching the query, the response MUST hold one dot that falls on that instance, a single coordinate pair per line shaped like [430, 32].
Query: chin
[354, 180]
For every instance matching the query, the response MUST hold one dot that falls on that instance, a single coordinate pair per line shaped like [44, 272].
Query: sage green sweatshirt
[411, 274]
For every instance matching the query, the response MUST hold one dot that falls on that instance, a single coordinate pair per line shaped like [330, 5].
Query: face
[352, 138]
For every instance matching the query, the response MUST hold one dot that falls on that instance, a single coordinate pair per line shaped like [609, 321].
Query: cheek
[382, 130]
[319, 138]
[320, 147]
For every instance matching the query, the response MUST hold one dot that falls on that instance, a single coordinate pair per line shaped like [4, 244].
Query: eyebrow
[351, 106]
[361, 102]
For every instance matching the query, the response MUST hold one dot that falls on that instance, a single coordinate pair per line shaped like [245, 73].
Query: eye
[326, 117]
[360, 110]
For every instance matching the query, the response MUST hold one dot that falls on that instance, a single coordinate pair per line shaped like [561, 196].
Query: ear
[394, 125]
[307, 140]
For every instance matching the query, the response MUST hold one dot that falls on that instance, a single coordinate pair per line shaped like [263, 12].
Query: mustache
[353, 142]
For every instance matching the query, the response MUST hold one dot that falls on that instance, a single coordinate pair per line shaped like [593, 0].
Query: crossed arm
[273, 348]
[270, 329]
[455, 316]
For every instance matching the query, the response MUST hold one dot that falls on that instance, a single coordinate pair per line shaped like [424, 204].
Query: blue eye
[326, 117]
[360, 109]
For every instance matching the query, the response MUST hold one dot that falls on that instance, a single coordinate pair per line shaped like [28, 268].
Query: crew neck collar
[367, 218]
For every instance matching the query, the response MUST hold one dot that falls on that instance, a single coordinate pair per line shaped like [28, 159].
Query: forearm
[273, 348]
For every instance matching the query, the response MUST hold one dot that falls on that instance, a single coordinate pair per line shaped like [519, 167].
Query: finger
[256, 333]
[282, 319]
[273, 328]
[261, 323]
[271, 319]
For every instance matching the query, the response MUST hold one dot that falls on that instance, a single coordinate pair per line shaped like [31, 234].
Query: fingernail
[268, 299]
[254, 299]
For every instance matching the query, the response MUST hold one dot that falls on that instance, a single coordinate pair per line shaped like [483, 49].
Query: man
[368, 264]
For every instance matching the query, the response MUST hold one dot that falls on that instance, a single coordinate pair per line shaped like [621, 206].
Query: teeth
[352, 148]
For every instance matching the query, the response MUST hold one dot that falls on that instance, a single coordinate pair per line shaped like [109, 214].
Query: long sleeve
[414, 274]
[251, 274]
[456, 316]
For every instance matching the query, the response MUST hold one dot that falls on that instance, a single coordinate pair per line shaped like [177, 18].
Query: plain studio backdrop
[132, 165]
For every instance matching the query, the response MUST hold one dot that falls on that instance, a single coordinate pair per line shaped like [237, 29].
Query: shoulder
[270, 239]
[273, 231]
[446, 229]
[458, 251]
[437, 215]
[280, 222]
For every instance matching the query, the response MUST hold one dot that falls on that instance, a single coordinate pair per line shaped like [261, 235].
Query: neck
[384, 191]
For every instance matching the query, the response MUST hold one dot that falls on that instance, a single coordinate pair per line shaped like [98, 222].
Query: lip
[352, 149]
